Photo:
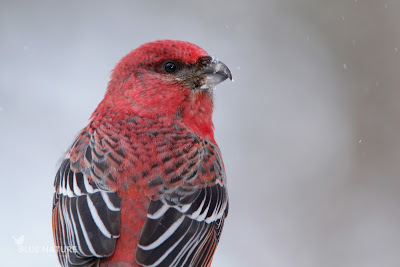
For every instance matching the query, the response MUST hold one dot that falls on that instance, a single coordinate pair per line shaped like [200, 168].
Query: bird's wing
[86, 212]
[186, 215]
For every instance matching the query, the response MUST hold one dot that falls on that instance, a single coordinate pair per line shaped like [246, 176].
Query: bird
[18, 240]
[144, 184]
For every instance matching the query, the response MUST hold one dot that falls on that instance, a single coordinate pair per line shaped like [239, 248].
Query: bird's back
[171, 184]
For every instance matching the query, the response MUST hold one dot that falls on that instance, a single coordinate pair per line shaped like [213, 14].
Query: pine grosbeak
[144, 183]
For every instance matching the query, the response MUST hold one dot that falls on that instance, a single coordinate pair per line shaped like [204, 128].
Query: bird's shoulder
[156, 155]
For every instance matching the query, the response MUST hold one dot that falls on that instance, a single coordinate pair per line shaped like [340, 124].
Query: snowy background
[309, 130]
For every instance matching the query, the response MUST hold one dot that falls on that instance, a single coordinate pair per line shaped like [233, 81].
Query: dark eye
[170, 67]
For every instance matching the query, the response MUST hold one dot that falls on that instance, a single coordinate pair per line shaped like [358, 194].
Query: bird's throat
[197, 114]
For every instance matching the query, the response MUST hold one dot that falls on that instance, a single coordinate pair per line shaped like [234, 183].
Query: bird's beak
[211, 72]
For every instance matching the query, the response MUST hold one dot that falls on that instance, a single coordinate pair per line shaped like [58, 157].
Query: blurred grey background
[309, 130]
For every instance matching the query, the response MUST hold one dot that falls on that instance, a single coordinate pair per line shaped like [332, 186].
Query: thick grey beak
[212, 73]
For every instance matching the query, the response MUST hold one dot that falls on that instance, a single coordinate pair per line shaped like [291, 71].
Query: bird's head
[171, 79]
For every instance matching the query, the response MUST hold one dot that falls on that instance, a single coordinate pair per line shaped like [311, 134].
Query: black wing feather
[177, 235]
[85, 224]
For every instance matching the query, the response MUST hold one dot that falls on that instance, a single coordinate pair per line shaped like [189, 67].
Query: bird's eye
[170, 67]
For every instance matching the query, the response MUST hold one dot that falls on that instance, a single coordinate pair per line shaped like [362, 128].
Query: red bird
[144, 183]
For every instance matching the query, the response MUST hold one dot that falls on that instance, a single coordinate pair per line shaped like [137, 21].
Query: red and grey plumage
[144, 183]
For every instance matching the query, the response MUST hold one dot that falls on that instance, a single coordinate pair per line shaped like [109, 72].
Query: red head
[171, 79]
